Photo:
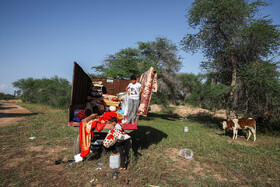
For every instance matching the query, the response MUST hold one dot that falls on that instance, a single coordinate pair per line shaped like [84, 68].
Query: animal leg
[254, 133]
[233, 130]
[249, 134]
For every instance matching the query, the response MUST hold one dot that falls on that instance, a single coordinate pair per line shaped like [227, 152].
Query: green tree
[259, 90]
[162, 54]
[188, 82]
[26, 86]
[121, 65]
[6, 96]
[55, 91]
[230, 35]
[209, 96]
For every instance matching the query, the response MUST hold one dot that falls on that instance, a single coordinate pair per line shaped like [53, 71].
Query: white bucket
[114, 161]
[186, 129]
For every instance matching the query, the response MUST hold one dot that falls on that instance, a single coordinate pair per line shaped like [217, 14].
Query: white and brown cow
[242, 123]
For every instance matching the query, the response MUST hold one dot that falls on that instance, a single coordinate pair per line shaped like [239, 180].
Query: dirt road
[11, 113]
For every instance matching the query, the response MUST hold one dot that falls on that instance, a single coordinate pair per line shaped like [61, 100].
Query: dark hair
[132, 77]
[114, 119]
[88, 112]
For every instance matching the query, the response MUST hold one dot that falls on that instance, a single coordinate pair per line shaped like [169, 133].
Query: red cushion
[129, 126]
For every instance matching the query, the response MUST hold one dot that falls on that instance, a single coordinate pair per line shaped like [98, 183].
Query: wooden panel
[113, 86]
[80, 86]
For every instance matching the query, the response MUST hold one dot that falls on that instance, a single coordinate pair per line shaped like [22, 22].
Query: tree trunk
[233, 84]
[247, 104]
[213, 80]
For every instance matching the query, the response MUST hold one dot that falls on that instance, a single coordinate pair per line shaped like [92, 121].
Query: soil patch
[185, 111]
[11, 113]
[156, 108]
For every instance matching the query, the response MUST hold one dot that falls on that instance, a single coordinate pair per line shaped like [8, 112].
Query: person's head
[133, 79]
[113, 121]
[88, 112]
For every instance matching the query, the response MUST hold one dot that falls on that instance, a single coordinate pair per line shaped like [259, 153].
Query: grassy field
[154, 160]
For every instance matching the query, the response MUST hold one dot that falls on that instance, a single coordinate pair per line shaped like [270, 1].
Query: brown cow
[242, 123]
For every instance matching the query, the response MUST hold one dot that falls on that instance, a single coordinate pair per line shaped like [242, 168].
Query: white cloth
[125, 104]
[134, 90]
[118, 126]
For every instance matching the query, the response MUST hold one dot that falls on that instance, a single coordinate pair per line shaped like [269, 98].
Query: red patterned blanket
[148, 80]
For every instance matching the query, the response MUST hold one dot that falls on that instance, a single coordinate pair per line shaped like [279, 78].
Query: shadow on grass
[144, 137]
[268, 128]
[12, 115]
[5, 108]
[167, 116]
[207, 120]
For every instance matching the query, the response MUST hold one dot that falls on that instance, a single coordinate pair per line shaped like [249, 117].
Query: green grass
[218, 160]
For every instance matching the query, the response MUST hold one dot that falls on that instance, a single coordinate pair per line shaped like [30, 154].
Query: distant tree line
[4, 96]
[54, 91]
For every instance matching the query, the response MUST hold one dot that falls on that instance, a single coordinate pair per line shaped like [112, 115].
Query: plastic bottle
[114, 161]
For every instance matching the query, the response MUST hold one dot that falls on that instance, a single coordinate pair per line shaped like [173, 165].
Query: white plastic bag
[186, 153]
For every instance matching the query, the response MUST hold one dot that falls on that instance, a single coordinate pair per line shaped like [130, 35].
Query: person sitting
[122, 144]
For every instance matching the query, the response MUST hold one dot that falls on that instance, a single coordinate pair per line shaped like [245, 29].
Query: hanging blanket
[86, 129]
[85, 139]
[148, 80]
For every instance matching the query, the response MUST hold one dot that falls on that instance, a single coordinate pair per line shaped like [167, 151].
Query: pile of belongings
[111, 100]
[91, 123]
[96, 89]
[82, 114]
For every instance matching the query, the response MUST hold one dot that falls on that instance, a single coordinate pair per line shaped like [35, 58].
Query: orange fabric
[85, 139]
[86, 130]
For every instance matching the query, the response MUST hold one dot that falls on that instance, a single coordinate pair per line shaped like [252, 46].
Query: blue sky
[42, 38]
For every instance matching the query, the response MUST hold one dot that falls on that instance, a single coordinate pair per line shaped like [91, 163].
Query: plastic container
[186, 153]
[114, 161]
[186, 129]
[78, 158]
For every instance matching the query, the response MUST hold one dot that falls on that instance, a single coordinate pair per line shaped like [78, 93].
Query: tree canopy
[234, 39]
[120, 65]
